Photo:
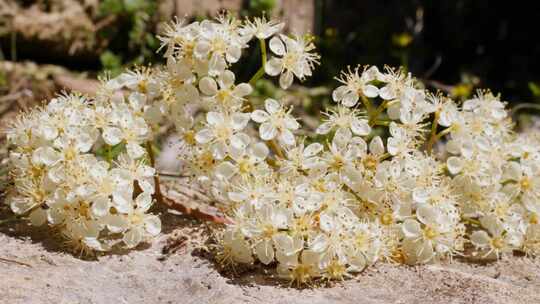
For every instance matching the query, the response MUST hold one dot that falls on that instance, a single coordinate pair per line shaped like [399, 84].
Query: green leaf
[135, 5]
[108, 7]
[535, 89]
[110, 153]
[111, 62]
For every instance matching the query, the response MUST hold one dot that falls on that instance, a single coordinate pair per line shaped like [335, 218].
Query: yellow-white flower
[276, 122]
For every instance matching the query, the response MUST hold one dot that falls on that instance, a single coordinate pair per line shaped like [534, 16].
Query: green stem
[373, 117]
[260, 72]
[384, 123]
[9, 220]
[443, 133]
[384, 156]
[433, 136]
[275, 147]
[367, 104]
[109, 154]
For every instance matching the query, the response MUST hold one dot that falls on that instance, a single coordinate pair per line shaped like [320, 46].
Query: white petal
[319, 243]
[313, 149]
[284, 243]
[265, 252]
[243, 89]
[240, 120]
[360, 127]
[411, 228]
[324, 128]
[202, 49]
[326, 222]
[112, 135]
[286, 80]
[233, 53]
[46, 156]
[371, 91]
[376, 146]
[226, 79]
[204, 136]
[480, 239]
[350, 99]
[260, 151]
[208, 86]
[339, 93]
[240, 141]
[134, 150]
[277, 46]
[454, 164]
[287, 137]
[133, 237]
[116, 223]
[143, 201]
[271, 105]
[259, 116]
[427, 214]
[291, 123]
[273, 67]
[100, 206]
[512, 171]
[225, 170]
[386, 93]
[267, 131]
[152, 224]
[38, 217]
[420, 195]
[219, 150]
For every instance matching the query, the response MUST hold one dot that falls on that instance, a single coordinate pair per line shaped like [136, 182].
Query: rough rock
[34, 268]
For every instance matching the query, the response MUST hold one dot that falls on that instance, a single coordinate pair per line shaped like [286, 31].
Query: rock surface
[35, 269]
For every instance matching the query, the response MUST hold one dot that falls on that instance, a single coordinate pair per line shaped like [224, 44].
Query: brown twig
[157, 194]
[110, 19]
[196, 213]
[15, 262]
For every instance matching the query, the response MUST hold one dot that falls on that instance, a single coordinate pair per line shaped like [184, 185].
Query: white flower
[261, 28]
[227, 96]
[425, 235]
[495, 243]
[345, 119]
[295, 59]
[60, 181]
[245, 161]
[141, 225]
[265, 229]
[276, 122]
[140, 80]
[235, 248]
[223, 132]
[355, 85]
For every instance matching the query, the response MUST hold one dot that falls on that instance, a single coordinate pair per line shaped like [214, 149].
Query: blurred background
[454, 46]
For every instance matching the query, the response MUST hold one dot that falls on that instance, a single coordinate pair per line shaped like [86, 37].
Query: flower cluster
[317, 209]
[79, 165]
[497, 173]
[366, 187]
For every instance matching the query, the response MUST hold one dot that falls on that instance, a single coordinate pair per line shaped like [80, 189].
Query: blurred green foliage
[259, 7]
[135, 19]
[454, 46]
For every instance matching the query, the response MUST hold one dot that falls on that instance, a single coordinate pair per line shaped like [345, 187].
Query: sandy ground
[35, 269]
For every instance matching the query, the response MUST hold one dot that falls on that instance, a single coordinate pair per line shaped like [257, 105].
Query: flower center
[430, 233]
[497, 243]
[387, 219]
[525, 183]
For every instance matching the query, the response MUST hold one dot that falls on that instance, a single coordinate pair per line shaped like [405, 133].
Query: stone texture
[35, 269]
